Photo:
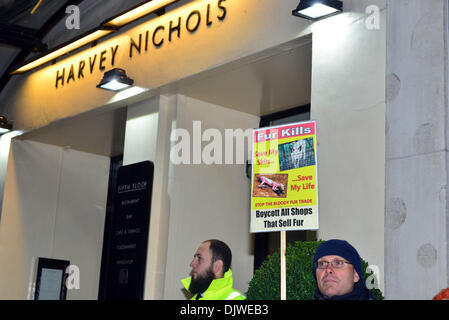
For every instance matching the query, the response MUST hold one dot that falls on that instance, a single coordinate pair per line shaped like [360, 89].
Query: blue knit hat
[340, 248]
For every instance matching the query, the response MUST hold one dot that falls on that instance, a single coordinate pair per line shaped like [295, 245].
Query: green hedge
[301, 283]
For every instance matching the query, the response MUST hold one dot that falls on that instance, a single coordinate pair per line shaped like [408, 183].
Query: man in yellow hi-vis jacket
[211, 276]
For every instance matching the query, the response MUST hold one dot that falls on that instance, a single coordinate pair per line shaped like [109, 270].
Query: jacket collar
[216, 284]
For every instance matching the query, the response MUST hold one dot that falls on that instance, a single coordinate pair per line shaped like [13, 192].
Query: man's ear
[356, 277]
[217, 268]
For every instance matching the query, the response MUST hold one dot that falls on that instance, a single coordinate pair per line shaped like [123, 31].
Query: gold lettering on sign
[141, 43]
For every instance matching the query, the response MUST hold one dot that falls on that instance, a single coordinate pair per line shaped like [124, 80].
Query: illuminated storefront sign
[142, 43]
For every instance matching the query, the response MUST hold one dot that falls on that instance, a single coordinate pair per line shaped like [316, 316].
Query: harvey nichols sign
[143, 42]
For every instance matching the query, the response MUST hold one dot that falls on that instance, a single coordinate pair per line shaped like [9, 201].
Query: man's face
[202, 261]
[202, 269]
[336, 281]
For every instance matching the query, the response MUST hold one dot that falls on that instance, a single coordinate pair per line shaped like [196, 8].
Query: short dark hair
[220, 251]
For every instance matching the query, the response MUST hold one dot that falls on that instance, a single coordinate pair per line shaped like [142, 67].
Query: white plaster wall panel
[351, 168]
[81, 215]
[27, 225]
[416, 227]
[141, 131]
[260, 83]
[55, 209]
[348, 103]
[96, 132]
[347, 63]
[203, 203]
[5, 146]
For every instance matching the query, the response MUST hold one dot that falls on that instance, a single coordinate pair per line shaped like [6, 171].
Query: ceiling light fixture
[106, 28]
[137, 13]
[115, 80]
[318, 9]
[62, 50]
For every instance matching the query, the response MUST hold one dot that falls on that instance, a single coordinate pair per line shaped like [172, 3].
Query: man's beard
[201, 283]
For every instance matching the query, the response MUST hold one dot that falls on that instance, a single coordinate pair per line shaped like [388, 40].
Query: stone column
[147, 137]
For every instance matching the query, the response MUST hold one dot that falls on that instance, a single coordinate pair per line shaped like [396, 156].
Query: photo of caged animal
[296, 154]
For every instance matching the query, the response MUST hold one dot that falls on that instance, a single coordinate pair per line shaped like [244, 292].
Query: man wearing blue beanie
[338, 270]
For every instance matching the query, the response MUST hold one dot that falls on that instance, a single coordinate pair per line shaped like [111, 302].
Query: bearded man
[211, 276]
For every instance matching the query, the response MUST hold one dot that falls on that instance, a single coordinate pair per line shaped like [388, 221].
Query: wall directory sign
[126, 242]
[51, 279]
[284, 192]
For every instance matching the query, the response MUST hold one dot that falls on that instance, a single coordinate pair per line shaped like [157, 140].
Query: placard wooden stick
[283, 267]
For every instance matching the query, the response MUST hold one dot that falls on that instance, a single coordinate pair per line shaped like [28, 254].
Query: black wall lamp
[318, 9]
[5, 126]
[115, 80]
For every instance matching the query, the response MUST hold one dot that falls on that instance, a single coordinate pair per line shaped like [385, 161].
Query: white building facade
[375, 77]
